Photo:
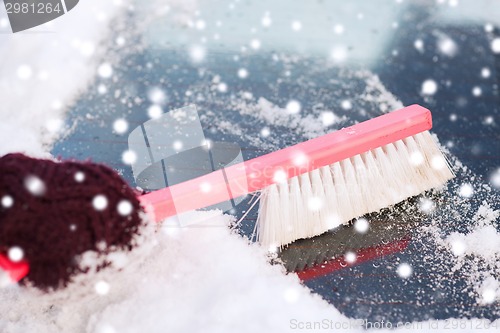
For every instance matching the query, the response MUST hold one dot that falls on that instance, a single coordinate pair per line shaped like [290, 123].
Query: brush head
[54, 212]
[315, 202]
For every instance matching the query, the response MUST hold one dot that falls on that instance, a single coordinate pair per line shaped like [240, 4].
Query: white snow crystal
[264, 132]
[120, 126]
[177, 145]
[79, 176]
[155, 111]
[350, 257]
[339, 53]
[105, 70]
[129, 157]
[485, 72]
[361, 225]
[255, 44]
[495, 45]
[124, 208]
[315, 204]
[102, 287]
[466, 190]
[404, 270]
[447, 46]
[15, 254]
[495, 178]
[266, 21]
[242, 73]
[102, 89]
[429, 87]
[293, 107]
[426, 205]
[100, 202]
[280, 176]
[156, 95]
[34, 185]
[419, 45]
[296, 25]
[222, 87]
[197, 53]
[338, 29]
[346, 104]
[476, 91]
[24, 72]
[7, 201]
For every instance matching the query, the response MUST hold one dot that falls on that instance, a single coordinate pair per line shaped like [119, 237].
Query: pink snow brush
[314, 186]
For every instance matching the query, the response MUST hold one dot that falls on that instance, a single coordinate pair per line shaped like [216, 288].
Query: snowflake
[100, 202]
[419, 45]
[404, 270]
[266, 21]
[124, 208]
[197, 53]
[485, 73]
[155, 111]
[242, 73]
[296, 26]
[156, 95]
[255, 44]
[429, 87]
[315, 204]
[293, 107]
[495, 45]
[476, 91]
[129, 157]
[265, 132]
[7, 201]
[105, 70]
[338, 29]
[24, 72]
[102, 287]
[120, 126]
[15, 254]
[79, 176]
[34, 185]
[361, 225]
[350, 257]
[346, 104]
[466, 191]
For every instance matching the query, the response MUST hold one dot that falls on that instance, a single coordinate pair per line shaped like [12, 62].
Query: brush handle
[258, 173]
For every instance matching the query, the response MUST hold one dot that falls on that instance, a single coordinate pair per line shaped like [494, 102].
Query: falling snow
[15, 254]
[293, 107]
[296, 26]
[35, 185]
[404, 270]
[466, 190]
[124, 208]
[7, 201]
[24, 72]
[79, 177]
[100, 202]
[429, 87]
[105, 70]
[120, 126]
[495, 45]
[361, 225]
[129, 157]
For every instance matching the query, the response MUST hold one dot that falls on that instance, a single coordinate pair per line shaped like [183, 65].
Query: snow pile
[59, 59]
[478, 253]
[176, 273]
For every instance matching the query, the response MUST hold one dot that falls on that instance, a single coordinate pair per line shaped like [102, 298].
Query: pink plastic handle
[260, 172]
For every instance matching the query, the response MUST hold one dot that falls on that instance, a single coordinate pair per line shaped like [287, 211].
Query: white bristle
[315, 202]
